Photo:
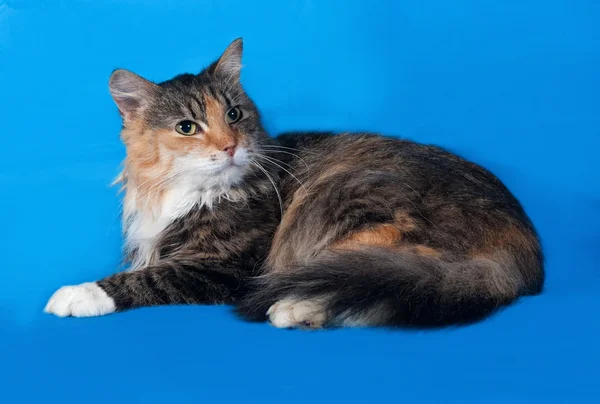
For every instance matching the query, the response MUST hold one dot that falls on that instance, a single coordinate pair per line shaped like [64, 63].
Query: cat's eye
[187, 128]
[233, 115]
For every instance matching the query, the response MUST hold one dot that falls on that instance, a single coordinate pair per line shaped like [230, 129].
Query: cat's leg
[164, 284]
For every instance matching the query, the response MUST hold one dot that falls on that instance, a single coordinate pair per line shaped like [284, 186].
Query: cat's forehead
[185, 97]
[185, 85]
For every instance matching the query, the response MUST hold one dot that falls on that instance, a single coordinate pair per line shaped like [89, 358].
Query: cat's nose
[230, 149]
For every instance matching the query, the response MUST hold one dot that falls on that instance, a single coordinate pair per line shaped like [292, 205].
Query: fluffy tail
[386, 288]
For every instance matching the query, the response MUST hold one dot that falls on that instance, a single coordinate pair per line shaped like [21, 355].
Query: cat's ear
[130, 92]
[230, 62]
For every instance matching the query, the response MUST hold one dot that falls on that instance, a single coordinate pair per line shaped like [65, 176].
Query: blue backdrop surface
[512, 85]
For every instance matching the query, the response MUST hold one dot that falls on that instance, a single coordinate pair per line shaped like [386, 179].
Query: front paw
[85, 300]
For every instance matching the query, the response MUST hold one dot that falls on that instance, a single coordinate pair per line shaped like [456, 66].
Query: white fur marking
[85, 300]
[306, 314]
[142, 227]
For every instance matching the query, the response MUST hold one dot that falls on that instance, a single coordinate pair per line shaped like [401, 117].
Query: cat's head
[199, 128]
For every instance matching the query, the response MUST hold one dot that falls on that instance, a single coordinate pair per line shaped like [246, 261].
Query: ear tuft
[130, 92]
[230, 62]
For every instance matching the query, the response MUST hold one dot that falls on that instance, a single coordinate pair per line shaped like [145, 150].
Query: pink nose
[230, 149]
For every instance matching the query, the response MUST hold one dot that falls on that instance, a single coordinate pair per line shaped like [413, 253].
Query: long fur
[307, 229]
[380, 287]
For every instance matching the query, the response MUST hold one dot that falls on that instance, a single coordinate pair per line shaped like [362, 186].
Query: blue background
[513, 85]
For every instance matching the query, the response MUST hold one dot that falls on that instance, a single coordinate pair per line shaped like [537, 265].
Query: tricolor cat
[306, 230]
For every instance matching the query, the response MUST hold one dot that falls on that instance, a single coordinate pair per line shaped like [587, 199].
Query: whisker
[286, 152]
[269, 160]
[288, 148]
[272, 182]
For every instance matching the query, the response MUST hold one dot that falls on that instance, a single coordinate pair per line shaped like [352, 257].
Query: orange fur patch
[385, 235]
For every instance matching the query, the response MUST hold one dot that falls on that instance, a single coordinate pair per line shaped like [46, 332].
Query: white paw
[85, 300]
[307, 314]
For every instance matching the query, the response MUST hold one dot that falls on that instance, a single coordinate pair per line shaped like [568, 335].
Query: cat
[305, 230]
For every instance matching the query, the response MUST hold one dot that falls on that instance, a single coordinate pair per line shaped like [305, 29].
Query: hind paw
[304, 314]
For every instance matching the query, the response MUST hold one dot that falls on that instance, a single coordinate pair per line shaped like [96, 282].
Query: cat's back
[365, 148]
[395, 171]
[392, 157]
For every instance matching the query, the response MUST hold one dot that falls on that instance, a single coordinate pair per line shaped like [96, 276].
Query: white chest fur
[143, 227]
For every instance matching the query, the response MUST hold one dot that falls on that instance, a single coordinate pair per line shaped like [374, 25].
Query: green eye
[233, 115]
[187, 128]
